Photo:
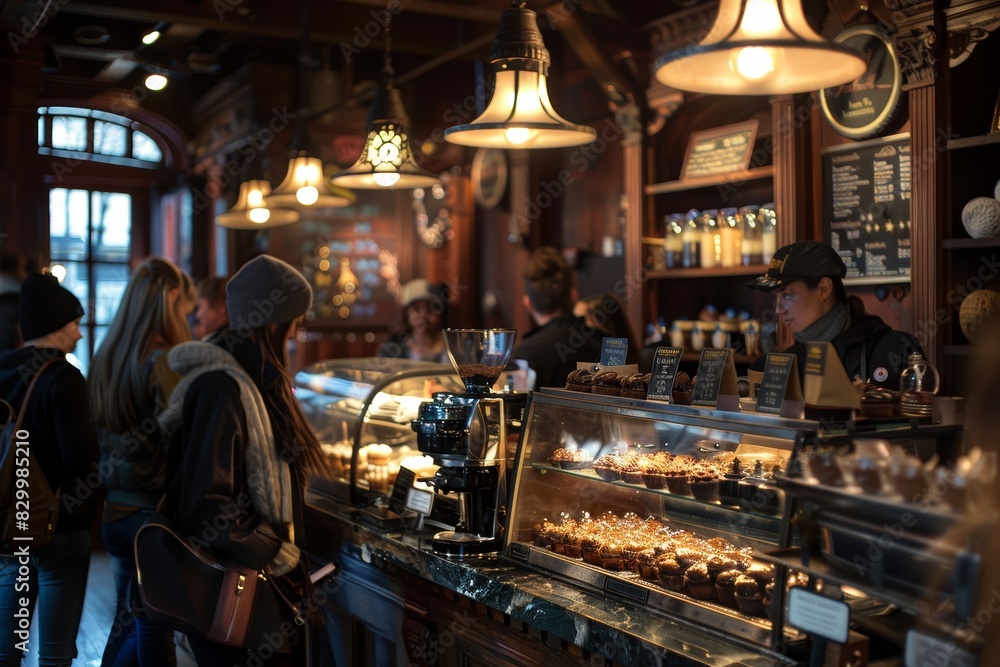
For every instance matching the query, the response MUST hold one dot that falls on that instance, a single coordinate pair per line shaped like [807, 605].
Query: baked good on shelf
[725, 587]
[589, 550]
[571, 459]
[698, 583]
[749, 598]
[611, 556]
[654, 476]
[580, 380]
[636, 385]
[647, 564]
[705, 485]
[878, 402]
[607, 383]
[670, 573]
[678, 482]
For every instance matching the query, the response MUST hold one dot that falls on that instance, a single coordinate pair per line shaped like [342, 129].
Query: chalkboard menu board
[866, 207]
[665, 363]
[721, 150]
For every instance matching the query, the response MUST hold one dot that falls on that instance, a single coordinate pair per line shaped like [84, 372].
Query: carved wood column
[629, 119]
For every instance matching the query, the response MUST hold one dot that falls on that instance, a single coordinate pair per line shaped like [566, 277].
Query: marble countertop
[622, 632]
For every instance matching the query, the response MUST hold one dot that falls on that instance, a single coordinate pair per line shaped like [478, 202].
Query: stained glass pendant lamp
[519, 113]
[760, 47]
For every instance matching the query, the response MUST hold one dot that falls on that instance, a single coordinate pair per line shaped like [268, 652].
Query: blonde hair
[148, 318]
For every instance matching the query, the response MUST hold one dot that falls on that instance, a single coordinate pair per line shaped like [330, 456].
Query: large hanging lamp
[386, 160]
[250, 211]
[305, 187]
[760, 47]
[519, 113]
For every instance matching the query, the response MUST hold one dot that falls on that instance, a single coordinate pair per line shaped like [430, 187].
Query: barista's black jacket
[869, 349]
[553, 349]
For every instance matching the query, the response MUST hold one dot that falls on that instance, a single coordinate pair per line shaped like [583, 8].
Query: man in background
[210, 317]
[560, 338]
[13, 271]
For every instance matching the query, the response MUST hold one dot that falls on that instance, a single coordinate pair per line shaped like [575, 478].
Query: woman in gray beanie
[240, 434]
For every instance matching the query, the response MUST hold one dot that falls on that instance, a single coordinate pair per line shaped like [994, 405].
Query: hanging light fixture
[519, 113]
[250, 211]
[760, 47]
[386, 160]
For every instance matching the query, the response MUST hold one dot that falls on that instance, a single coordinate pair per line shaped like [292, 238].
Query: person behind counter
[424, 312]
[807, 279]
[605, 313]
[560, 338]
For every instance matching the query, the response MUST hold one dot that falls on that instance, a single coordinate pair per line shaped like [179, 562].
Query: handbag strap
[27, 394]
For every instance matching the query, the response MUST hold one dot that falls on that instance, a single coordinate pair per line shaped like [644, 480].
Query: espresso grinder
[472, 436]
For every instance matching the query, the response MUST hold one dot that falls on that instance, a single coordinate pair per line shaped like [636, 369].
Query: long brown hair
[147, 317]
[293, 437]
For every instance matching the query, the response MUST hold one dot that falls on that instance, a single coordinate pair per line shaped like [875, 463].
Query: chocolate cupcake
[572, 543]
[678, 482]
[670, 574]
[647, 564]
[611, 556]
[630, 556]
[580, 380]
[725, 587]
[698, 583]
[590, 550]
[654, 477]
[688, 556]
[705, 486]
[636, 385]
[632, 473]
[748, 596]
[761, 572]
[607, 383]
[717, 564]
[608, 473]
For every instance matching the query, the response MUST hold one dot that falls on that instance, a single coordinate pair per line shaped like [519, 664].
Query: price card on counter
[613, 351]
[716, 383]
[926, 651]
[827, 384]
[780, 384]
[661, 381]
[404, 481]
[820, 615]
[420, 501]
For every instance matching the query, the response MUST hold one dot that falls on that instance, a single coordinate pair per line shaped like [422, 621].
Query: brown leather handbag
[184, 587]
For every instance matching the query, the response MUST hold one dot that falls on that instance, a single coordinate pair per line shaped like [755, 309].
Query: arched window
[98, 136]
[100, 168]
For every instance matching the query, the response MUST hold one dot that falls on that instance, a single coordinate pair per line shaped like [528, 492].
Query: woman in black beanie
[64, 444]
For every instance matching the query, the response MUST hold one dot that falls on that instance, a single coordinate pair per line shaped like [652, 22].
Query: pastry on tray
[636, 385]
[607, 383]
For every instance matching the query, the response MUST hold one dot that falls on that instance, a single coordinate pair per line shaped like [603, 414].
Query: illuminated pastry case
[664, 505]
[361, 410]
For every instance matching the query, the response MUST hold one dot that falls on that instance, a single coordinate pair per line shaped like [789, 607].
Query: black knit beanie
[46, 306]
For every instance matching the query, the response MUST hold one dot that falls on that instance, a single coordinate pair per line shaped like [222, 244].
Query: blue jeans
[53, 581]
[132, 642]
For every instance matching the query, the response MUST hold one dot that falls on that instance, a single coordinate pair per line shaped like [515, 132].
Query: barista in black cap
[807, 279]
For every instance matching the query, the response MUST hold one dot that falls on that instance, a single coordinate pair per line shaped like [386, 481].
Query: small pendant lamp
[760, 47]
[519, 113]
[250, 211]
[386, 160]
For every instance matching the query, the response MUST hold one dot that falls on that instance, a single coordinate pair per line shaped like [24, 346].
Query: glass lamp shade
[519, 113]
[305, 187]
[386, 160]
[250, 211]
[760, 47]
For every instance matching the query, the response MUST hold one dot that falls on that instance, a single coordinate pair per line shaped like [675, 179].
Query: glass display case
[662, 504]
[361, 411]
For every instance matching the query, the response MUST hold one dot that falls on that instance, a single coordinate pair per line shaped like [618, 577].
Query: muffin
[762, 573]
[611, 556]
[678, 482]
[647, 564]
[670, 574]
[571, 459]
[580, 380]
[725, 587]
[654, 477]
[590, 550]
[636, 385]
[609, 473]
[632, 473]
[749, 599]
[572, 543]
[717, 564]
[607, 383]
[698, 583]
[688, 556]
[630, 556]
[705, 486]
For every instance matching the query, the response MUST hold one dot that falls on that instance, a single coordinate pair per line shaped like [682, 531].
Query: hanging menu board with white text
[866, 207]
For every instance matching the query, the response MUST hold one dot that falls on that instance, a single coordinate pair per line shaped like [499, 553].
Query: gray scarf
[268, 477]
[826, 328]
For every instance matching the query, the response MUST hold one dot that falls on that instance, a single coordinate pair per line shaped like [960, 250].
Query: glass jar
[731, 237]
[753, 246]
[691, 240]
[673, 241]
[711, 240]
[918, 384]
[768, 220]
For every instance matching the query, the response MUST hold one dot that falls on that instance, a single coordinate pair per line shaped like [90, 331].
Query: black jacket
[553, 349]
[208, 494]
[62, 437]
[869, 349]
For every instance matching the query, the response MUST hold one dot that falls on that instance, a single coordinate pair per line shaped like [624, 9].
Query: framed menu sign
[721, 150]
[866, 208]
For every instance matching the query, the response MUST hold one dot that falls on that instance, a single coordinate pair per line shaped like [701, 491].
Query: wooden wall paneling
[21, 189]
[632, 184]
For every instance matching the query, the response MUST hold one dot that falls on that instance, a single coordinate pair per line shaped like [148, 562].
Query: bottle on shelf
[753, 244]
[673, 241]
[697, 338]
[768, 231]
[918, 384]
[691, 239]
[731, 237]
[711, 239]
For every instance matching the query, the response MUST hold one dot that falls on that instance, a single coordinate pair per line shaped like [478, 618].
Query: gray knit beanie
[266, 291]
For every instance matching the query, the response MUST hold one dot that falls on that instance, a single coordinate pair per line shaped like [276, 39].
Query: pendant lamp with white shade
[250, 211]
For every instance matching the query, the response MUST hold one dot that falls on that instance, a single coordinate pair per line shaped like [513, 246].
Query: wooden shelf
[958, 244]
[959, 350]
[755, 174]
[731, 271]
[973, 142]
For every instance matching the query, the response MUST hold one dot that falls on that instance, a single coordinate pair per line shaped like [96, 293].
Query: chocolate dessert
[607, 383]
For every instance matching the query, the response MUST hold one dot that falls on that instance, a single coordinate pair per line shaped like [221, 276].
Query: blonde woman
[130, 384]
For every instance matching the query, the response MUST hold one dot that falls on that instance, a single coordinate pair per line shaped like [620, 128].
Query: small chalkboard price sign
[721, 150]
[404, 481]
[661, 381]
[716, 384]
[613, 351]
[780, 385]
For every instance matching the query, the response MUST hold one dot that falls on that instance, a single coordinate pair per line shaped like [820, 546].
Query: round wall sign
[489, 176]
[864, 107]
